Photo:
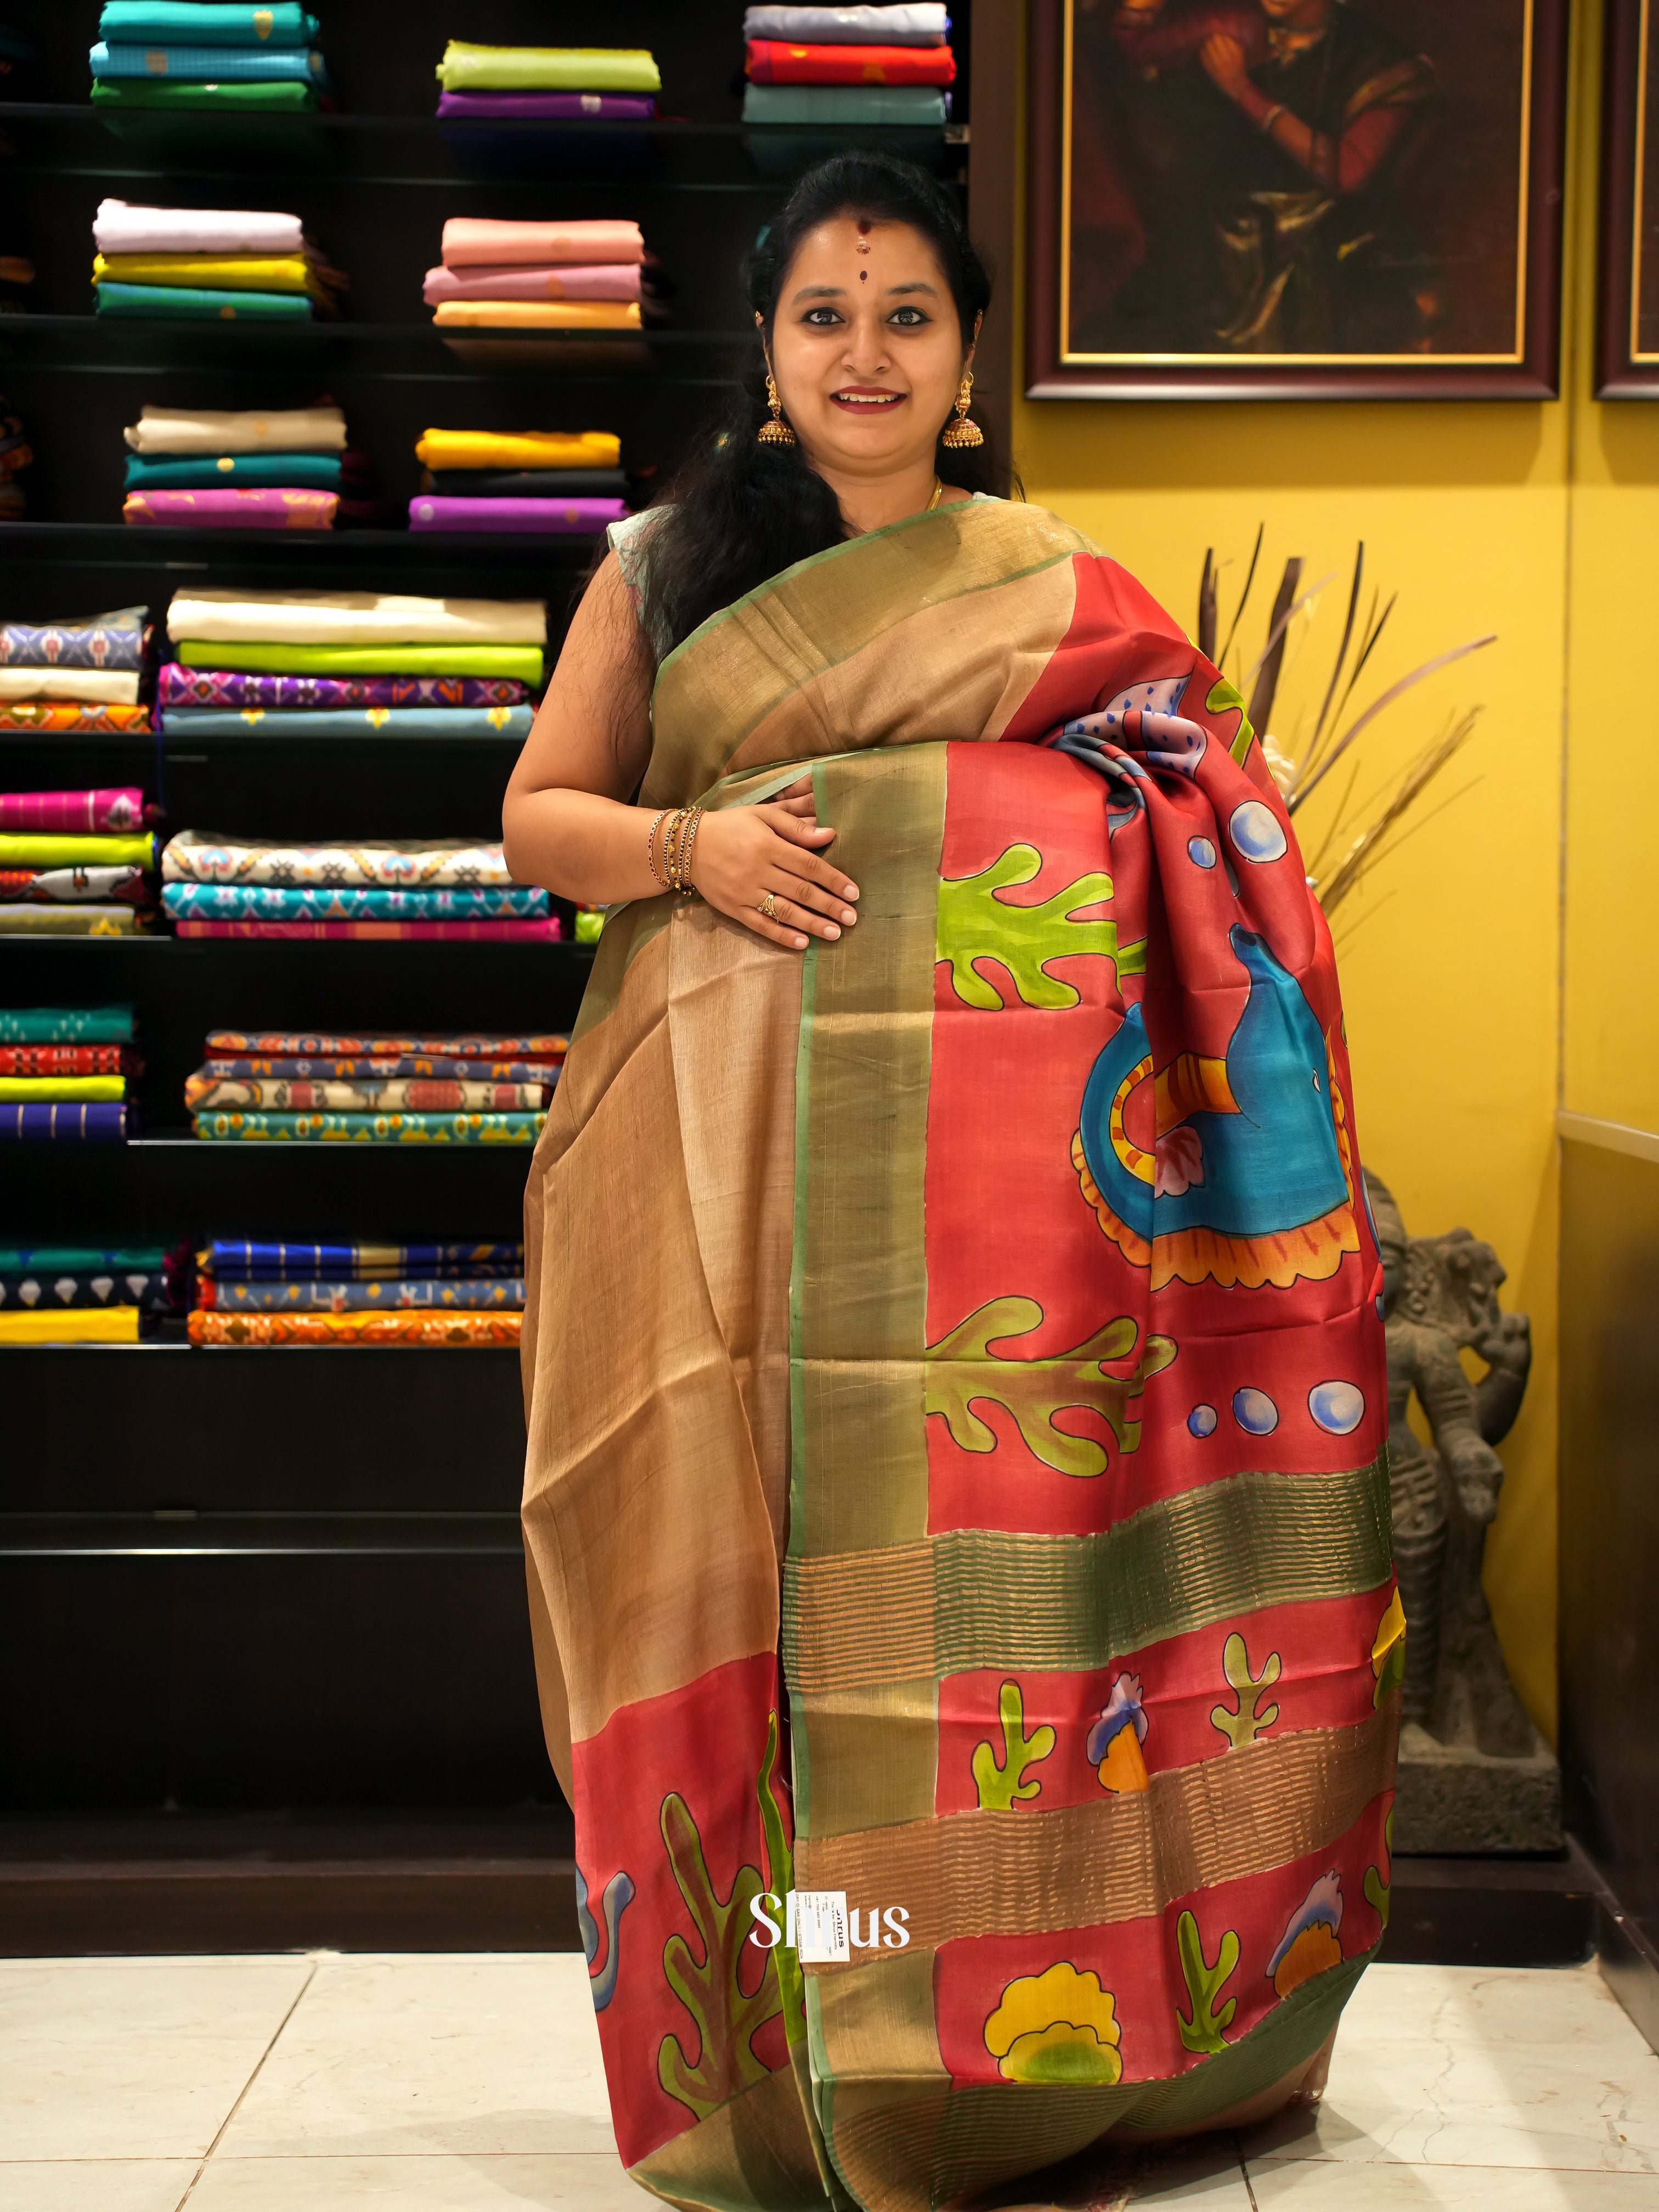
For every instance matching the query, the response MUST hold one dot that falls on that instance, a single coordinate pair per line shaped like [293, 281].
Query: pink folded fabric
[482, 242]
[594, 280]
[67, 813]
[548, 931]
[272, 507]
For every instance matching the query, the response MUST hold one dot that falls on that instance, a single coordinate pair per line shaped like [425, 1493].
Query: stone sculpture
[1474, 1774]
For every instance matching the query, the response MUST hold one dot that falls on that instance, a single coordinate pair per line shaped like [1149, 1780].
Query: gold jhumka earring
[962, 431]
[777, 432]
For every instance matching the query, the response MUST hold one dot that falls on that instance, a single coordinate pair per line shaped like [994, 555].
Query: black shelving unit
[243, 1577]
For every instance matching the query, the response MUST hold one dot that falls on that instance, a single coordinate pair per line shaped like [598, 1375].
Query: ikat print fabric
[232, 1261]
[548, 930]
[361, 1068]
[425, 1331]
[98, 642]
[396, 1094]
[73, 886]
[79, 1289]
[198, 856]
[353, 722]
[67, 1059]
[258, 1127]
[430, 1294]
[30, 1025]
[216, 902]
[65, 1072]
[192, 688]
[488, 1046]
[79, 715]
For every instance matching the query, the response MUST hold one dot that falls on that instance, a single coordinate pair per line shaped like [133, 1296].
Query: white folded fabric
[353, 618]
[914, 26]
[208, 430]
[113, 687]
[202, 856]
[119, 228]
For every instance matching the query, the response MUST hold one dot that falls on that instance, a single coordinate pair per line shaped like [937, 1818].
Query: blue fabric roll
[233, 1260]
[210, 65]
[350, 723]
[96, 1124]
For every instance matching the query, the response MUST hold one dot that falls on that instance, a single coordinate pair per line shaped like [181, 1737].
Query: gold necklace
[938, 494]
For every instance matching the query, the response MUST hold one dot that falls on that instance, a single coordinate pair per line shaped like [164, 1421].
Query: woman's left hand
[1222, 58]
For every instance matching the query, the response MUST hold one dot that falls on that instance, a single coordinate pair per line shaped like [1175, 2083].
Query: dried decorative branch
[1243, 597]
[1367, 848]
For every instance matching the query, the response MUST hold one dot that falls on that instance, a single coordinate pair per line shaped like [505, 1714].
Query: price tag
[821, 1931]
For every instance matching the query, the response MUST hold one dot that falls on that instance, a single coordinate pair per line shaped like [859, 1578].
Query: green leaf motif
[1002, 1784]
[1379, 1890]
[1205, 2031]
[780, 1880]
[1239, 1725]
[973, 925]
[1224, 698]
[963, 1371]
[725, 2018]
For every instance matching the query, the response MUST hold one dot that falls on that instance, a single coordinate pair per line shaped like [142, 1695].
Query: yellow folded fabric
[519, 449]
[53, 849]
[32, 1089]
[92, 1325]
[539, 314]
[218, 272]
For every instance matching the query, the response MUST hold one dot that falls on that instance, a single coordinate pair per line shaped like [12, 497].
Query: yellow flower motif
[1389, 1649]
[1055, 2027]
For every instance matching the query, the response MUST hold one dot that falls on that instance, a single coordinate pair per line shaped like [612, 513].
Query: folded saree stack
[15, 455]
[283, 1086]
[76, 864]
[215, 886]
[351, 663]
[567, 483]
[207, 54]
[434, 1294]
[511, 107]
[209, 265]
[65, 1072]
[577, 275]
[288, 468]
[85, 1293]
[848, 66]
[81, 674]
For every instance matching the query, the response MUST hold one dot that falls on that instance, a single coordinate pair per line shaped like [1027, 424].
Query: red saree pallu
[957, 1503]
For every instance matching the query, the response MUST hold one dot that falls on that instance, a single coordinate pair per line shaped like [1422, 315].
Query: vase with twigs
[1357, 834]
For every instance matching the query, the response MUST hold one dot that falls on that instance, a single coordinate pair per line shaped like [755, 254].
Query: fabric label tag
[821, 1927]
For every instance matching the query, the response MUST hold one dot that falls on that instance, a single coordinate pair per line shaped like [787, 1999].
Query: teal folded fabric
[202, 23]
[235, 472]
[209, 64]
[370, 1128]
[843, 103]
[190, 303]
[65, 1024]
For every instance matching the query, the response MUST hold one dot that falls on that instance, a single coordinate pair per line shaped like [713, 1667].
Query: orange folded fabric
[415, 1328]
[773, 61]
[539, 314]
[473, 241]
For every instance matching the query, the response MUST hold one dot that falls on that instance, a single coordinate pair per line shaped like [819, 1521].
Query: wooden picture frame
[1627, 355]
[1463, 339]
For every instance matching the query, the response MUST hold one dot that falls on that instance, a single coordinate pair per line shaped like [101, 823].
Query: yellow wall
[1540, 521]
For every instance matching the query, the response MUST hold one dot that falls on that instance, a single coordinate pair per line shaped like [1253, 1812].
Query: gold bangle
[687, 888]
[670, 848]
[650, 850]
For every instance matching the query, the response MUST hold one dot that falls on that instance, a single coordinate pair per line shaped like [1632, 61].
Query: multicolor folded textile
[209, 64]
[422, 1332]
[207, 23]
[36, 1089]
[521, 662]
[923, 23]
[103, 687]
[367, 1067]
[59, 1290]
[442, 450]
[66, 1060]
[833, 104]
[197, 304]
[468, 68]
[83, 715]
[122, 94]
[92, 1025]
[352, 722]
[218, 272]
[569, 518]
[26, 919]
[213, 431]
[330, 901]
[317, 472]
[476, 1294]
[528, 483]
[488, 242]
[262, 508]
[188, 689]
[60, 884]
[101, 1123]
[548, 931]
[40, 848]
[205, 1094]
[774, 61]
[397, 863]
[115, 1325]
[550, 1046]
[354, 1128]
[538, 315]
[593, 280]
[546, 107]
[106, 809]
[231, 1260]
[317, 619]
[101, 642]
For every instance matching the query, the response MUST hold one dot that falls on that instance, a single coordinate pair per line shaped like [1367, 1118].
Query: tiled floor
[473, 2084]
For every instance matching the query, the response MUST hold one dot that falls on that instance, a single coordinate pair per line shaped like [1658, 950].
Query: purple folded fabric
[273, 508]
[221, 688]
[598, 280]
[550, 106]
[567, 517]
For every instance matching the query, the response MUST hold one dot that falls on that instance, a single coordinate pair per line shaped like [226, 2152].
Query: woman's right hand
[744, 852]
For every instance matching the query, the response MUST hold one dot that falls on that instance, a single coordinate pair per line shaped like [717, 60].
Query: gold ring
[768, 906]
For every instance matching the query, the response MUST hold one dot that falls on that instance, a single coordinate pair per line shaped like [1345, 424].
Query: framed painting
[1278, 199]
[1627, 355]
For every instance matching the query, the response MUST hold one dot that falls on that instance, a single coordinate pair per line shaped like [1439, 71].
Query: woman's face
[866, 346]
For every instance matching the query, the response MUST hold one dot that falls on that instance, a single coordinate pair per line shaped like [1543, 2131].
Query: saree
[955, 1501]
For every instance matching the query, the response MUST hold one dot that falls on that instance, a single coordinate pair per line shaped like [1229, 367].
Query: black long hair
[742, 511]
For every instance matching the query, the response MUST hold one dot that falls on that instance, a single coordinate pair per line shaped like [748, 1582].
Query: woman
[956, 1484]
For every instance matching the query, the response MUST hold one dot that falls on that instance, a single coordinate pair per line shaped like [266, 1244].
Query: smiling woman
[944, 1253]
